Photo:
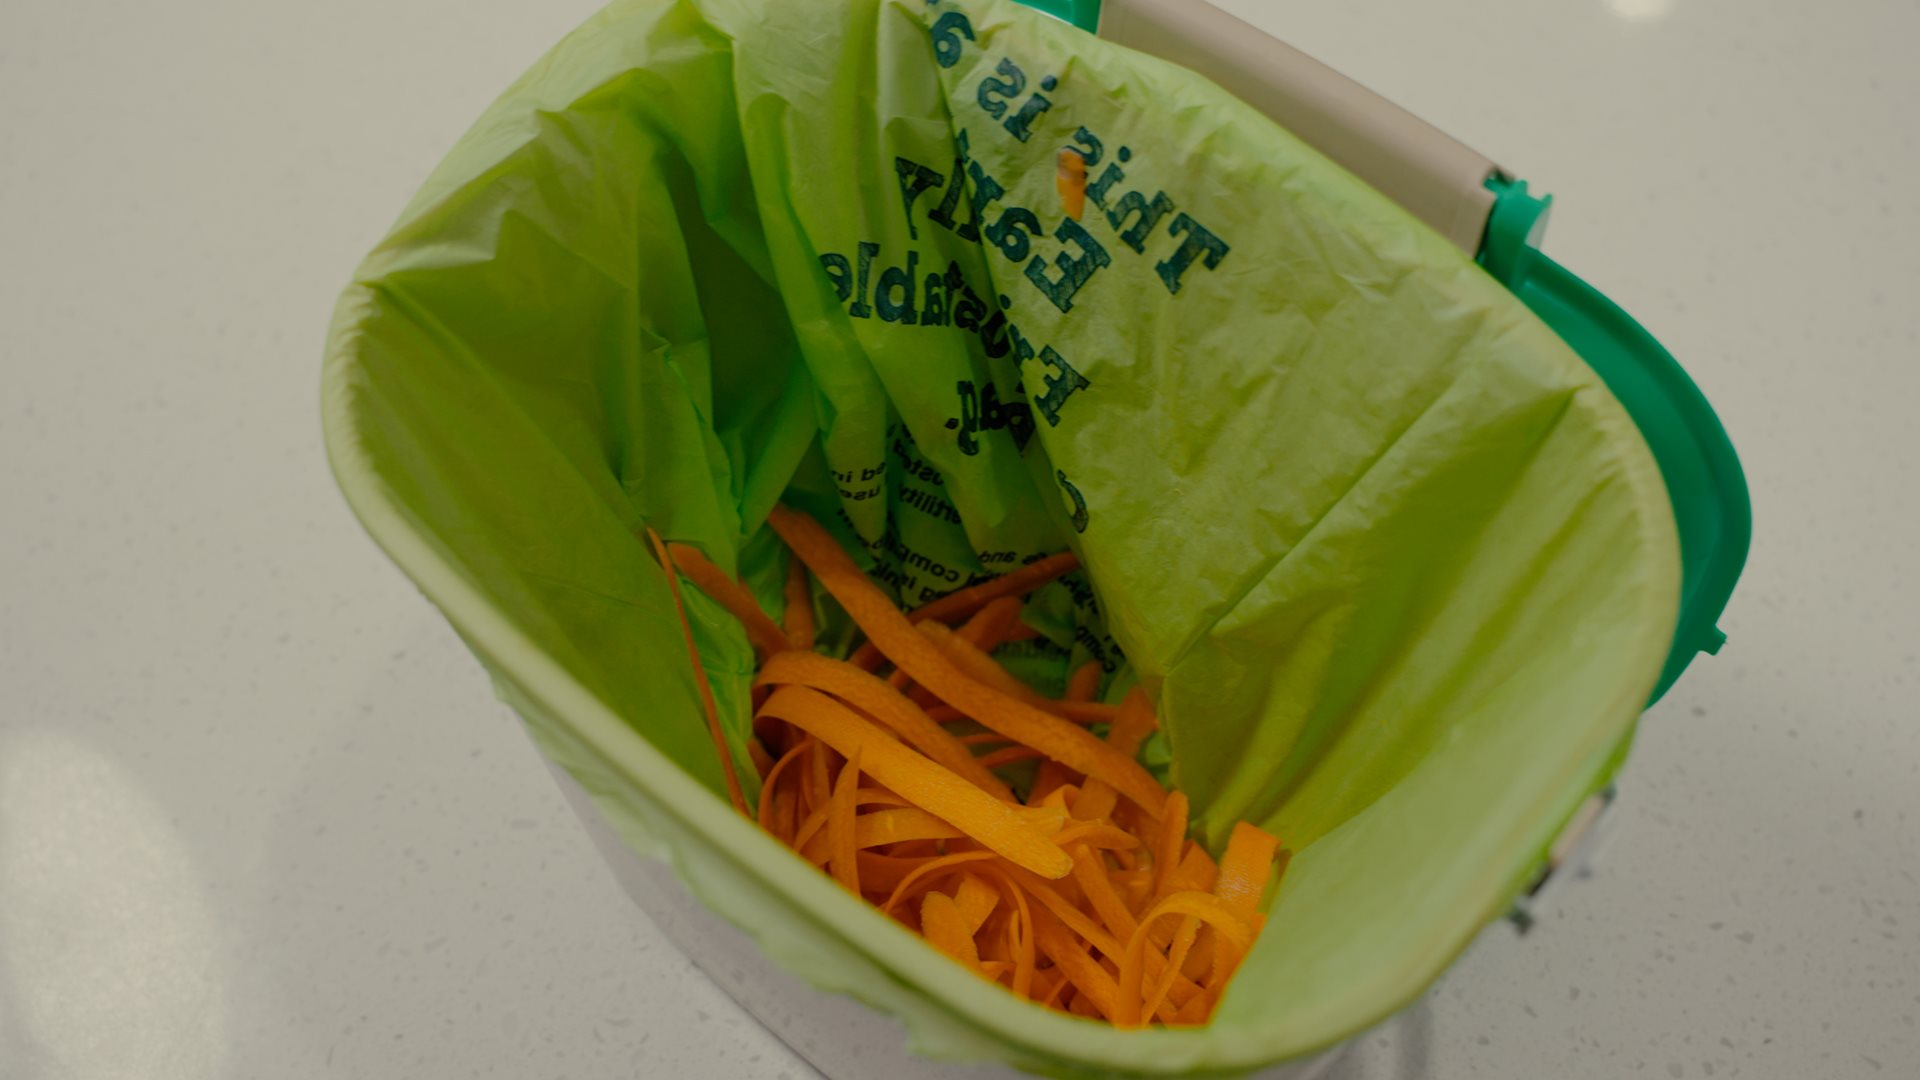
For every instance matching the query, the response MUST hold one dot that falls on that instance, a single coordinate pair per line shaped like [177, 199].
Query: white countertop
[260, 814]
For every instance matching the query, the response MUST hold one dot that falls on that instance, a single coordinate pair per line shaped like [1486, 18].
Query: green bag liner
[1398, 569]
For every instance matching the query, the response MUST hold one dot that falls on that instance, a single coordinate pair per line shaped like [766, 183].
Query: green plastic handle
[1084, 14]
[1703, 474]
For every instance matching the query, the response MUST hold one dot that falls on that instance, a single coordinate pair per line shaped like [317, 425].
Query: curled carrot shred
[840, 825]
[1203, 906]
[872, 696]
[797, 619]
[960, 604]
[1070, 177]
[946, 928]
[734, 793]
[919, 780]
[1085, 895]
[762, 631]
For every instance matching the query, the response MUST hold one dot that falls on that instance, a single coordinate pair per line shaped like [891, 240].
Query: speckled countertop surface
[261, 816]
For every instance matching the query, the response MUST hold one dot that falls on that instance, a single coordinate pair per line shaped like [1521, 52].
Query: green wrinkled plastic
[1397, 566]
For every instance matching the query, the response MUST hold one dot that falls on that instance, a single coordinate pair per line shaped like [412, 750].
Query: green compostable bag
[1398, 569]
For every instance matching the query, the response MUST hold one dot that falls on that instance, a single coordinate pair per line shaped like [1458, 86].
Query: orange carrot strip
[1097, 835]
[971, 599]
[1230, 928]
[1245, 869]
[1019, 925]
[1131, 727]
[925, 875]
[993, 969]
[925, 783]
[884, 873]
[1008, 756]
[762, 761]
[1195, 873]
[763, 632]
[1077, 920]
[989, 626]
[946, 929]
[1085, 681]
[772, 784]
[1059, 982]
[984, 738]
[905, 825]
[1066, 911]
[734, 793]
[1176, 959]
[811, 829]
[1091, 875]
[1051, 779]
[1173, 833]
[945, 714]
[1070, 177]
[976, 900]
[840, 827]
[1089, 978]
[882, 622]
[984, 669]
[873, 796]
[872, 696]
[814, 783]
[797, 619]
[1083, 712]
[867, 657]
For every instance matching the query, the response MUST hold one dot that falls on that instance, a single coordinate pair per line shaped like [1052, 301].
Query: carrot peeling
[734, 793]
[797, 619]
[929, 785]
[762, 631]
[1085, 895]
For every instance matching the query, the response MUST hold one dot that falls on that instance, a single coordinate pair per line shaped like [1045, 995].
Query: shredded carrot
[1176, 959]
[1070, 177]
[1008, 755]
[1203, 906]
[989, 627]
[1085, 896]
[840, 825]
[872, 696]
[976, 900]
[1173, 833]
[908, 824]
[734, 793]
[946, 929]
[763, 632]
[922, 781]
[797, 619]
[1089, 978]
[1245, 869]
[1091, 875]
[772, 784]
[1085, 681]
[1051, 778]
[925, 875]
[945, 714]
[984, 738]
[871, 796]
[762, 761]
[1131, 727]
[1097, 835]
[960, 604]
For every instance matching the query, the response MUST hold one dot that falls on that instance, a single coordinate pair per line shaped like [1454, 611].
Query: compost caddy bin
[1400, 523]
